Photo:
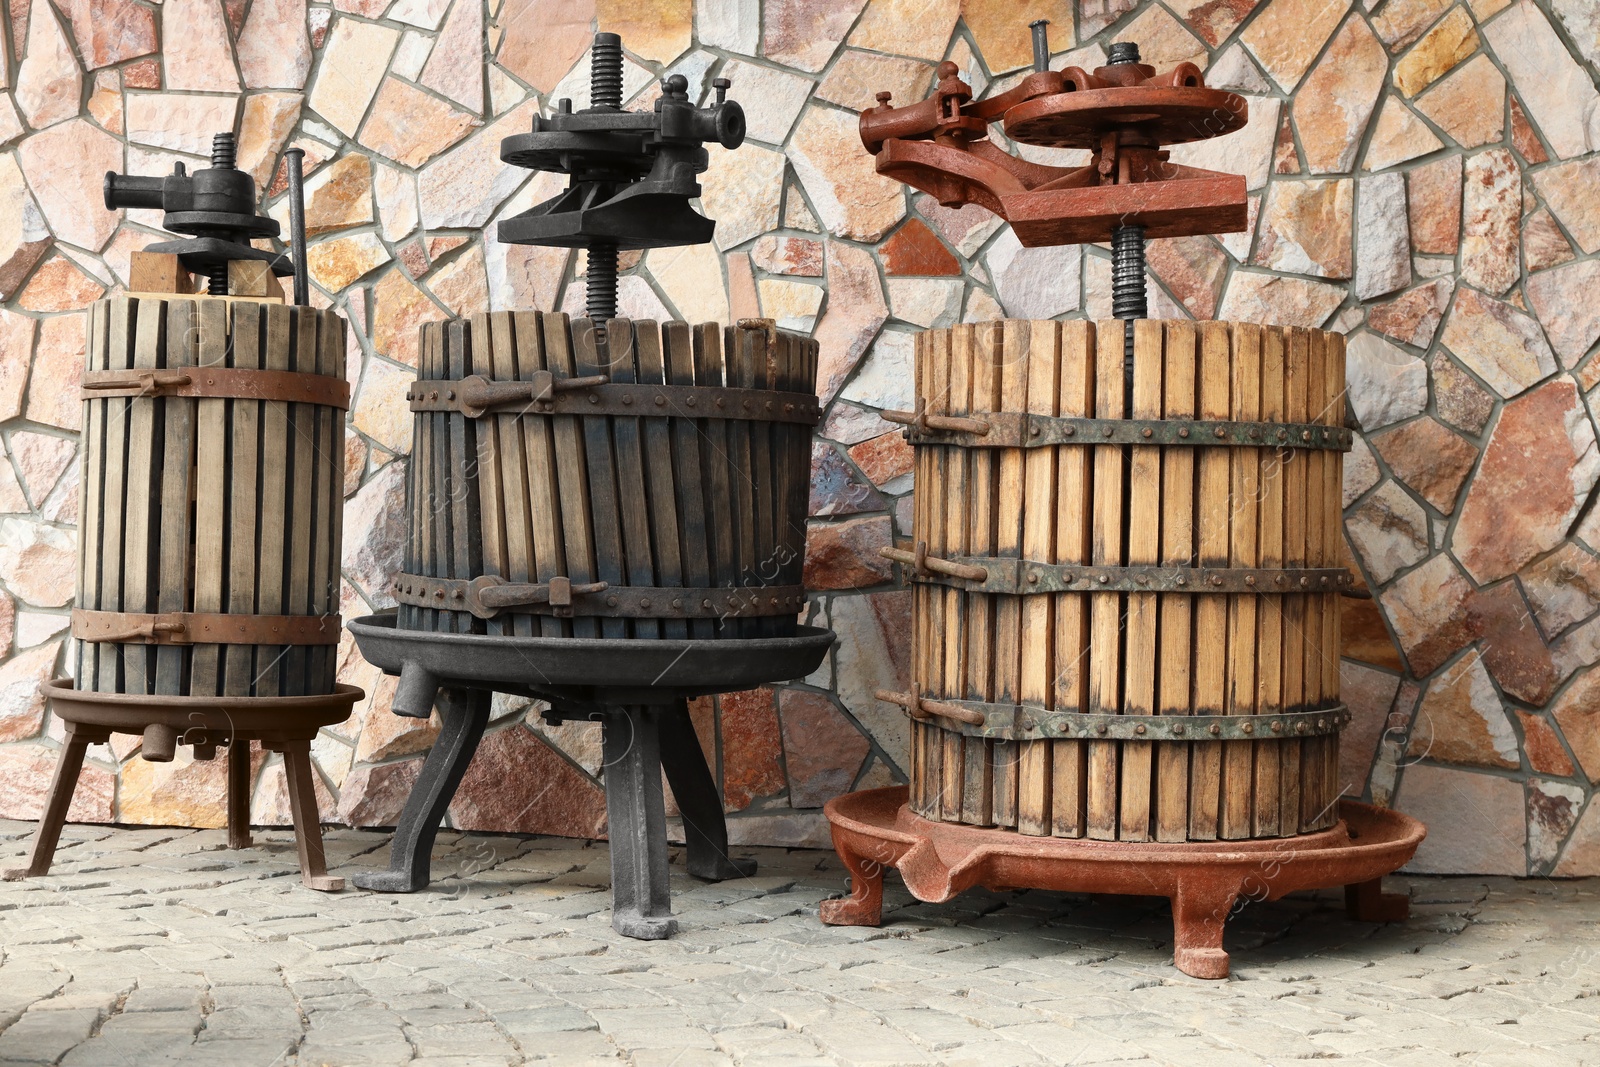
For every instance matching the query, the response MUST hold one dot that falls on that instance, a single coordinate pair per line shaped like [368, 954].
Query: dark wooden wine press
[1125, 563]
[605, 514]
[211, 506]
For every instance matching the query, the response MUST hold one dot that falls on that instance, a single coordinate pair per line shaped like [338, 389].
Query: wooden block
[252, 277]
[158, 272]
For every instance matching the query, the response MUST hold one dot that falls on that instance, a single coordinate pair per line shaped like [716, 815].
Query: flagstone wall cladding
[1423, 178]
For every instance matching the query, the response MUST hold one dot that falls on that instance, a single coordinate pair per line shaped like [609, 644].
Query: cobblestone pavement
[158, 946]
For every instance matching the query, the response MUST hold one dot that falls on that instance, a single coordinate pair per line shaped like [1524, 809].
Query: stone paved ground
[157, 946]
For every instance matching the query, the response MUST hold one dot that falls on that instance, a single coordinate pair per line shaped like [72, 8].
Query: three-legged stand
[302, 800]
[641, 740]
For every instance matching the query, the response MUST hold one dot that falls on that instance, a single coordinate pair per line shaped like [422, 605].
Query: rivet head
[627, 399]
[449, 394]
[1033, 431]
[1183, 431]
[1249, 579]
[705, 603]
[1071, 430]
[1182, 580]
[1104, 579]
[1221, 433]
[1301, 727]
[676, 603]
[1277, 727]
[645, 602]
[1322, 724]
[1248, 727]
[1101, 729]
[1033, 577]
[661, 401]
[1216, 579]
[438, 594]
[1304, 581]
[1139, 729]
[689, 401]
[1280, 579]
[458, 595]
[1177, 729]
[1283, 435]
[1148, 432]
[1305, 435]
[611, 601]
[1215, 728]
[719, 402]
[1108, 431]
[593, 399]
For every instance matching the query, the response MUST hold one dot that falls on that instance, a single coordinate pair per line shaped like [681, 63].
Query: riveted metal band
[543, 394]
[487, 596]
[1014, 722]
[200, 628]
[1022, 577]
[219, 383]
[1017, 429]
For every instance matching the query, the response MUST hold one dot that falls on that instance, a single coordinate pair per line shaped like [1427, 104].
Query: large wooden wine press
[211, 505]
[1125, 562]
[603, 513]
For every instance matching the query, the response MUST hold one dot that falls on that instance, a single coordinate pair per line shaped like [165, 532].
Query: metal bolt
[1033, 577]
[689, 401]
[705, 603]
[593, 399]
[661, 401]
[1101, 729]
[645, 603]
[1148, 431]
[1277, 727]
[1177, 729]
[1183, 431]
[627, 399]
[1215, 728]
[1249, 579]
[1104, 579]
[1108, 431]
[1139, 729]
[1248, 727]
[611, 601]
[1221, 433]
[1070, 430]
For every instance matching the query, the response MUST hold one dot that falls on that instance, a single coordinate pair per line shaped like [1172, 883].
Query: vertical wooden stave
[1270, 618]
[755, 372]
[269, 510]
[721, 513]
[1244, 612]
[486, 339]
[1105, 609]
[466, 539]
[1310, 803]
[246, 425]
[302, 439]
[210, 498]
[1332, 542]
[688, 475]
[1176, 610]
[570, 442]
[530, 477]
[967, 519]
[91, 491]
[627, 442]
[1011, 344]
[191, 325]
[328, 520]
[1215, 508]
[1073, 544]
[1144, 548]
[1295, 471]
[1035, 769]
[952, 389]
[665, 537]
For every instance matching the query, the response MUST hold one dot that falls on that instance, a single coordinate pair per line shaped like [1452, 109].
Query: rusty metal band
[487, 596]
[1016, 429]
[200, 628]
[1023, 577]
[475, 396]
[1025, 722]
[219, 383]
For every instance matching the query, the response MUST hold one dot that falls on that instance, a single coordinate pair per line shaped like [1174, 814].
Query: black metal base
[643, 710]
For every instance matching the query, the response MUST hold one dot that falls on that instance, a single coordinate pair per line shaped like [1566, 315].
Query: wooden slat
[756, 372]
[191, 325]
[271, 510]
[530, 498]
[1070, 771]
[1038, 508]
[91, 488]
[687, 475]
[331, 359]
[1310, 801]
[570, 444]
[739, 352]
[1215, 510]
[1144, 547]
[953, 387]
[969, 519]
[1332, 540]
[1244, 613]
[633, 507]
[1175, 678]
[302, 440]
[1269, 623]
[665, 539]
[141, 544]
[1008, 346]
[1294, 467]
[442, 546]
[487, 328]
[123, 333]
[721, 514]
[1105, 610]
[210, 500]
[245, 424]
[466, 539]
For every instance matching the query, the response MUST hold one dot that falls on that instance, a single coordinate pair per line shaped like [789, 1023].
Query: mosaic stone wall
[1422, 178]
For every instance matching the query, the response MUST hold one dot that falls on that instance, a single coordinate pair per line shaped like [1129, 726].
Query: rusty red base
[874, 830]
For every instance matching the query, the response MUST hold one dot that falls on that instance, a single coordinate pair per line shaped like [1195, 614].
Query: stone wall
[1421, 179]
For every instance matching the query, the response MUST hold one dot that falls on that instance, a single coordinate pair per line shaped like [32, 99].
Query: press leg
[1199, 913]
[68, 764]
[465, 713]
[307, 822]
[864, 905]
[1367, 902]
[641, 903]
[238, 793]
[705, 831]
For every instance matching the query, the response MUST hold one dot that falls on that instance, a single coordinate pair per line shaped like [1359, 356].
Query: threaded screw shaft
[602, 291]
[222, 150]
[605, 71]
